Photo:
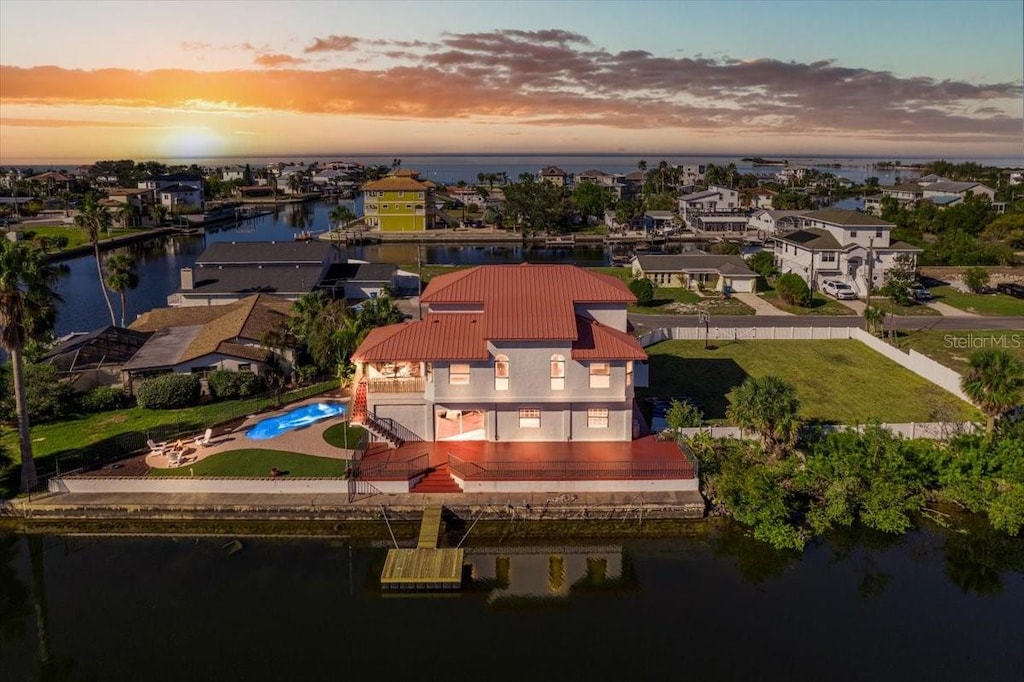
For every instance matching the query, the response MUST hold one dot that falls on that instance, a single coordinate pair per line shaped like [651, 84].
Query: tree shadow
[706, 379]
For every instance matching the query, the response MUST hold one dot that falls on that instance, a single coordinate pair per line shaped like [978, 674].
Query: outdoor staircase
[437, 480]
[359, 404]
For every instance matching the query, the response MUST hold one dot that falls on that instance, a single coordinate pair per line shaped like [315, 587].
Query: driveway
[947, 310]
[760, 306]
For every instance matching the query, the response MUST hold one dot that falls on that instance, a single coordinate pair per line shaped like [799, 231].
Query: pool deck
[308, 440]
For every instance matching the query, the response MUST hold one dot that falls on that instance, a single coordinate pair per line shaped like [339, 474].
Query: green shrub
[763, 263]
[103, 399]
[168, 392]
[48, 398]
[225, 384]
[976, 279]
[643, 289]
[793, 289]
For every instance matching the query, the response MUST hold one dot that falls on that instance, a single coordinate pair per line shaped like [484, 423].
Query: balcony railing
[386, 469]
[572, 470]
[403, 385]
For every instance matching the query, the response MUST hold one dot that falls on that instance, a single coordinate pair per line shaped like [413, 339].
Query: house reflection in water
[547, 572]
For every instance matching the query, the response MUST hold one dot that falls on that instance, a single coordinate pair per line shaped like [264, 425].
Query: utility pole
[419, 282]
[871, 268]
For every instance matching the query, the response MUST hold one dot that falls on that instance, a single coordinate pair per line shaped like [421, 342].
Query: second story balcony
[396, 385]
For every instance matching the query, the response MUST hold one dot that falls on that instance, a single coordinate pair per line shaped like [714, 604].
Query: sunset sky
[81, 81]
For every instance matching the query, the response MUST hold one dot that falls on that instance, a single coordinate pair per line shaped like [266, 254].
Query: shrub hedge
[103, 399]
[168, 392]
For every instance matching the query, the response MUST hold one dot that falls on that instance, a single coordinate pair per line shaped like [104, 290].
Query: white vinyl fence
[926, 430]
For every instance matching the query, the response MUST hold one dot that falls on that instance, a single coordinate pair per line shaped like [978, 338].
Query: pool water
[294, 419]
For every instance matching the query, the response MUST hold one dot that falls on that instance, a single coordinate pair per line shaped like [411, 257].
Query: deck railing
[572, 470]
[397, 470]
[403, 385]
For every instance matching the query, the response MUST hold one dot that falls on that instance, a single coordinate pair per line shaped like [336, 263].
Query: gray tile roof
[951, 187]
[251, 253]
[845, 218]
[255, 279]
[727, 265]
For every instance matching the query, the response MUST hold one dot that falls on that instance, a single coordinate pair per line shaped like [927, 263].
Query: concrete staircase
[437, 480]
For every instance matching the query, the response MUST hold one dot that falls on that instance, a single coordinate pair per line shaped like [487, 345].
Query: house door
[854, 265]
[460, 424]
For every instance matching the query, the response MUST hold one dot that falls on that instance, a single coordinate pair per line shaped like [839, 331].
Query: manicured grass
[256, 463]
[914, 309]
[336, 435]
[133, 423]
[76, 236]
[820, 305]
[954, 348]
[625, 273]
[982, 304]
[837, 381]
[431, 271]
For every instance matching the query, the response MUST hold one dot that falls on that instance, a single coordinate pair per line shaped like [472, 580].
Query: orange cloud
[278, 60]
[333, 43]
[65, 123]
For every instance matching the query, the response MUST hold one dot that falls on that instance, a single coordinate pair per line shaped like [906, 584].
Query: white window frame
[557, 372]
[458, 378]
[529, 418]
[501, 373]
[600, 374]
[597, 417]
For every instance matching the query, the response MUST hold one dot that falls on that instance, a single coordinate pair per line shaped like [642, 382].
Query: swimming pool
[294, 419]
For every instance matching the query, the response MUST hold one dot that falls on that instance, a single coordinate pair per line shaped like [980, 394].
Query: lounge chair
[205, 439]
[156, 448]
[175, 458]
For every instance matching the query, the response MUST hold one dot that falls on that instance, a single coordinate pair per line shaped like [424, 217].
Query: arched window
[501, 373]
[557, 372]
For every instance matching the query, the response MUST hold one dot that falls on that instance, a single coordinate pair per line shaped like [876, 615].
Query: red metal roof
[598, 342]
[527, 301]
[448, 336]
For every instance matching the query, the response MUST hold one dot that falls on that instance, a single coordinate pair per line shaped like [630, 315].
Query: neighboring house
[935, 189]
[510, 353]
[659, 220]
[960, 189]
[180, 196]
[230, 271]
[186, 188]
[97, 358]
[614, 183]
[835, 243]
[696, 271]
[140, 199]
[770, 222]
[399, 203]
[366, 280]
[757, 197]
[233, 173]
[692, 175]
[555, 175]
[712, 201]
[200, 339]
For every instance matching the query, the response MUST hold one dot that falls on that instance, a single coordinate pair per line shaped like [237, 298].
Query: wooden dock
[427, 567]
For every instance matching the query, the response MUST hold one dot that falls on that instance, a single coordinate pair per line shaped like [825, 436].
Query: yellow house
[399, 203]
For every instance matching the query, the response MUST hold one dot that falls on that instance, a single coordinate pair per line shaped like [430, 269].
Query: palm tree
[994, 381]
[157, 213]
[121, 276]
[768, 405]
[95, 219]
[341, 216]
[641, 165]
[295, 182]
[26, 312]
[126, 214]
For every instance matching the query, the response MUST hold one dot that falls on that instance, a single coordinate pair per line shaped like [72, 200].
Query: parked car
[1011, 289]
[920, 293]
[837, 289]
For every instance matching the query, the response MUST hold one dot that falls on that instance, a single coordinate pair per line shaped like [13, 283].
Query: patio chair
[156, 448]
[205, 439]
[175, 458]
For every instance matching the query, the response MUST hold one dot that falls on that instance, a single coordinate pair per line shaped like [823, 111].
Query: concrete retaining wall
[147, 484]
[601, 486]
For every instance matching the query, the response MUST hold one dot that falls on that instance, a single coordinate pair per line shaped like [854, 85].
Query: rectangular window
[501, 375]
[878, 233]
[384, 206]
[245, 367]
[529, 418]
[401, 193]
[557, 374]
[458, 374]
[408, 207]
[853, 234]
[597, 418]
[600, 375]
[828, 257]
[428, 371]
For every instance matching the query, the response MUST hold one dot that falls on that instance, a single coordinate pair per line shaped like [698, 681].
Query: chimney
[186, 279]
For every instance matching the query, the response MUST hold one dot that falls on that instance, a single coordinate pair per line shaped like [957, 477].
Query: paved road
[909, 322]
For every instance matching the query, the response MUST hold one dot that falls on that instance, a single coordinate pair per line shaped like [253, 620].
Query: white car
[838, 290]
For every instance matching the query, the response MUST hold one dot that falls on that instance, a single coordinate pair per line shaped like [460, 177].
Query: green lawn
[982, 304]
[914, 309]
[256, 463]
[130, 426]
[431, 271]
[837, 381]
[953, 348]
[76, 236]
[336, 435]
[820, 305]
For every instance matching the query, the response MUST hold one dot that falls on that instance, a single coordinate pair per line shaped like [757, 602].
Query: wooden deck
[427, 567]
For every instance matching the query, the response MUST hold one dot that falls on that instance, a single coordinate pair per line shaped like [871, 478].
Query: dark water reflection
[927, 606]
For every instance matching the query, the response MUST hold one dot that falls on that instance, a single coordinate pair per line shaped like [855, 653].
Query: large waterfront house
[716, 209]
[230, 271]
[771, 222]
[197, 340]
[176, 190]
[522, 377]
[399, 203]
[934, 189]
[838, 244]
[696, 271]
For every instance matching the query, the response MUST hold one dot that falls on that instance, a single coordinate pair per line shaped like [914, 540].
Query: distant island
[758, 161]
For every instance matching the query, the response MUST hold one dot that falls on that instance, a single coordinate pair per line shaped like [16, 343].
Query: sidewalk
[947, 310]
[760, 306]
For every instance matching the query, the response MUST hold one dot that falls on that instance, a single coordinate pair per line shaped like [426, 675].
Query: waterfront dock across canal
[427, 567]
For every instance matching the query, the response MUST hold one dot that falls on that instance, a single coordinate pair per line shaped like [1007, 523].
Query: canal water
[927, 606]
[160, 261]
